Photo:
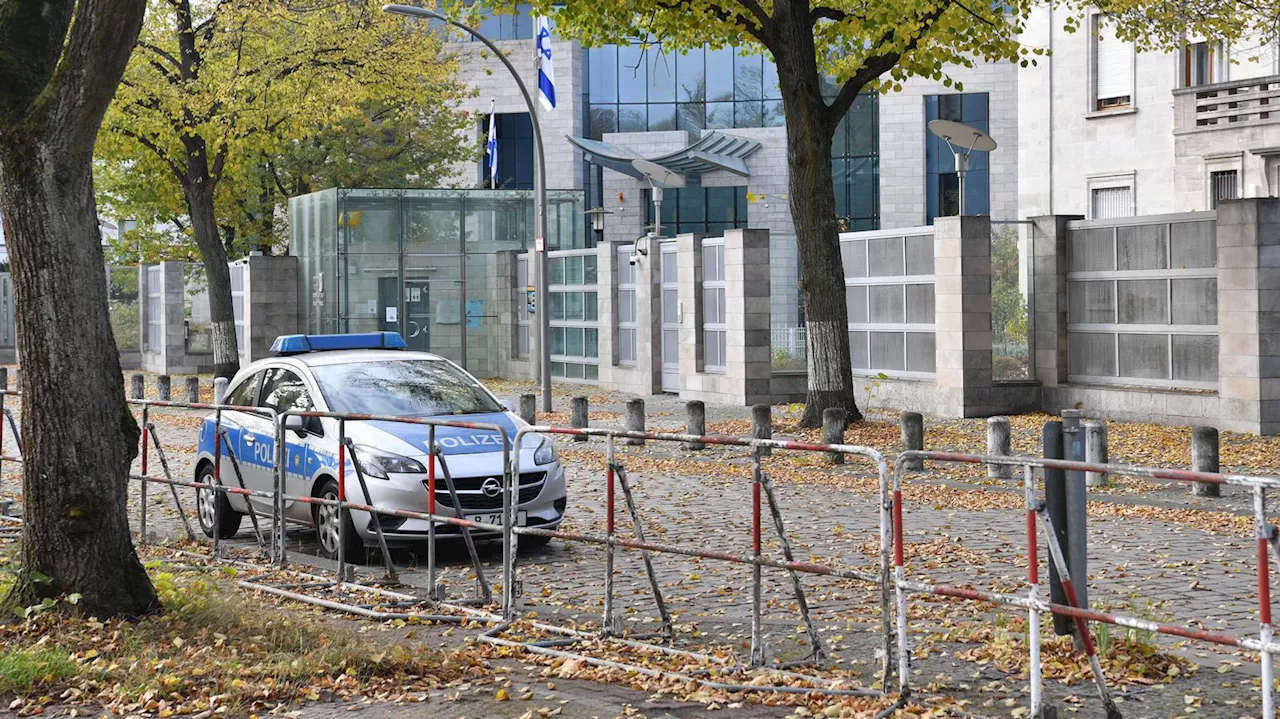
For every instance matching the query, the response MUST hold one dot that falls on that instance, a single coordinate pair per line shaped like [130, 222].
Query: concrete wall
[271, 306]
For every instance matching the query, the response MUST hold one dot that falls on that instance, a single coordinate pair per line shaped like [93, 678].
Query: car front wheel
[334, 526]
[213, 508]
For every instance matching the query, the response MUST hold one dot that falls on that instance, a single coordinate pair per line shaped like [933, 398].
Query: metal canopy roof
[713, 151]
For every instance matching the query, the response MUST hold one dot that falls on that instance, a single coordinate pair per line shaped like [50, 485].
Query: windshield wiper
[472, 411]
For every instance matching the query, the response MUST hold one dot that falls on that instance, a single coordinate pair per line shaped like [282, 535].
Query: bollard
[1055, 497]
[1204, 458]
[912, 440]
[164, 387]
[762, 426]
[1000, 444]
[1077, 520]
[219, 389]
[578, 413]
[529, 408]
[137, 387]
[635, 420]
[1095, 451]
[193, 389]
[695, 422]
[833, 425]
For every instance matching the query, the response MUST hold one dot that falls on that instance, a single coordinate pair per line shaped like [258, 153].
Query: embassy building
[716, 117]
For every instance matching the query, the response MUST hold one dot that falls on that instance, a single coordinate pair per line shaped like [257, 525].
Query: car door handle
[248, 438]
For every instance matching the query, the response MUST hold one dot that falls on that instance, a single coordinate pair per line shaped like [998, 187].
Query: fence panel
[572, 301]
[122, 306]
[1011, 315]
[1143, 301]
[890, 298]
[197, 319]
[155, 309]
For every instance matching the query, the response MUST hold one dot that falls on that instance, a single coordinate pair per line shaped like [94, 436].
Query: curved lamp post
[539, 195]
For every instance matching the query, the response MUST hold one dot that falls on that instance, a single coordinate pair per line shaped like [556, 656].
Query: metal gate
[667, 278]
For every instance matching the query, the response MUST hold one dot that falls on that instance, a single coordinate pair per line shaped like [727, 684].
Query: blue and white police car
[370, 374]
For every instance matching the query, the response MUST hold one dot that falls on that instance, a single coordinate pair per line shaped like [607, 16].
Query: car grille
[472, 498]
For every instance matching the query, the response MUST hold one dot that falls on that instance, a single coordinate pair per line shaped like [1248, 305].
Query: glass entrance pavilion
[420, 262]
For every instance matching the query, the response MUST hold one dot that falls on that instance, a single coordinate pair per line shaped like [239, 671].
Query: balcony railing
[1223, 105]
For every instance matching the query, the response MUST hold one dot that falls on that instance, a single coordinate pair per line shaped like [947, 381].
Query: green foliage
[784, 360]
[23, 670]
[275, 99]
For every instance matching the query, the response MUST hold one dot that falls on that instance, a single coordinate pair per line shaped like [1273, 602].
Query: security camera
[633, 260]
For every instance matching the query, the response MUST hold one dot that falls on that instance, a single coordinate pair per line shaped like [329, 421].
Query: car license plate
[495, 518]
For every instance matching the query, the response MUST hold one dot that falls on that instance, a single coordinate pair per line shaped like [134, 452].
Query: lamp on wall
[597, 217]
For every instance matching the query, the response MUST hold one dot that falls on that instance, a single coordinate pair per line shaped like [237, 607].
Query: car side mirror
[297, 424]
[507, 406]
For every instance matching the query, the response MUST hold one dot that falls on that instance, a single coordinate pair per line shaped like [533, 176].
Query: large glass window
[637, 88]
[855, 165]
[515, 151]
[706, 210]
[942, 184]
[517, 26]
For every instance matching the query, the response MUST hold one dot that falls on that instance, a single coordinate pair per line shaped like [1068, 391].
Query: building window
[704, 210]
[515, 151]
[1112, 68]
[714, 329]
[638, 88]
[1110, 202]
[1204, 63]
[855, 165]
[626, 306]
[1223, 185]
[942, 184]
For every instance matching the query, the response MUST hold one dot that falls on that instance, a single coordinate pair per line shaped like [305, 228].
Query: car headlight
[377, 463]
[545, 453]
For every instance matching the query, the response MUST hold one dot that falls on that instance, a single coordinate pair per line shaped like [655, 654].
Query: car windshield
[406, 388]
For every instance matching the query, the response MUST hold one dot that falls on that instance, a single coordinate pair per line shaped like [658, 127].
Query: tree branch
[877, 65]
[148, 143]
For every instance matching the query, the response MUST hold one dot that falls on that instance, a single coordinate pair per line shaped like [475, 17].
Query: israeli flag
[546, 76]
[492, 145]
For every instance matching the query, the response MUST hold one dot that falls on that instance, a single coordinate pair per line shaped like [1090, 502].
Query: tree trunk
[813, 212]
[226, 354]
[79, 437]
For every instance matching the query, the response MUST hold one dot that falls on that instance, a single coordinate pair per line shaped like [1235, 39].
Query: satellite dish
[956, 133]
[962, 140]
[658, 176]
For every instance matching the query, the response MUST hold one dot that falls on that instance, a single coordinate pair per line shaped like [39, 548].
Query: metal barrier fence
[510, 532]
[1267, 534]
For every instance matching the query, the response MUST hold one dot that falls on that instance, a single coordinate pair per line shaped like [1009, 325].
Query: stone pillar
[648, 276]
[579, 413]
[271, 306]
[1249, 314]
[962, 292]
[529, 408]
[1204, 458]
[999, 444]
[912, 440]
[1049, 298]
[696, 422]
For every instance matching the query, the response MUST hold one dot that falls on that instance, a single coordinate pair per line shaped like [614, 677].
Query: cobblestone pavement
[1153, 552]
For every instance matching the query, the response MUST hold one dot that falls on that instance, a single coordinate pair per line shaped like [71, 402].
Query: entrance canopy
[712, 152]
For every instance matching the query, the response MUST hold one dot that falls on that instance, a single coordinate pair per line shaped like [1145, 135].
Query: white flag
[492, 145]
[546, 76]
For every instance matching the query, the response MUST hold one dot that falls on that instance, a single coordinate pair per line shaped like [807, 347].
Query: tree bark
[222, 315]
[79, 437]
[813, 212]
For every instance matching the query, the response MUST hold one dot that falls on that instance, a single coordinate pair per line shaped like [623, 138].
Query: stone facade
[270, 303]
[1067, 148]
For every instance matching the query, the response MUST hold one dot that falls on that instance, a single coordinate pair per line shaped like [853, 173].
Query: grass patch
[25, 670]
[214, 648]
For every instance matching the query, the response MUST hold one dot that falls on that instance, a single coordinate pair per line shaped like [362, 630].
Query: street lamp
[539, 194]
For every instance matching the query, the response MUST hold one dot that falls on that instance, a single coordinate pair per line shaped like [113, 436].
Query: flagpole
[539, 193]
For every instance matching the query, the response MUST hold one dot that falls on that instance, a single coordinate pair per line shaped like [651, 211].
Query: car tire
[214, 509]
[326, 518]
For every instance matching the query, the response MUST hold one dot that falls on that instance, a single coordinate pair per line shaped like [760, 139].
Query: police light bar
[301, 344]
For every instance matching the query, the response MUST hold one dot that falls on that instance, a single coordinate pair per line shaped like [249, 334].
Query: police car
[370, 374]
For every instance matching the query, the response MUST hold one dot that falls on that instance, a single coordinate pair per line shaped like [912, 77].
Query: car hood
[458, 440]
